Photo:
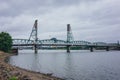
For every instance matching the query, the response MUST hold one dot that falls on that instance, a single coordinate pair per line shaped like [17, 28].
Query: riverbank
[8, 72]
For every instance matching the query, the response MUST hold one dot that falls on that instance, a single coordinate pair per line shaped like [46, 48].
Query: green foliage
[13, 78]
[5, 42]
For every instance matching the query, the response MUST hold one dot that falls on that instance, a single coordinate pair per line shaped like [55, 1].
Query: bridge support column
[107, 48]
[33, 35]
[91, 49]
[15, 51]
[118, 48]
[36, 50]
[68, 49]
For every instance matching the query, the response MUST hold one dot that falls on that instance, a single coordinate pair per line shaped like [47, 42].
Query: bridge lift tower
[34, 35]
[70, 38]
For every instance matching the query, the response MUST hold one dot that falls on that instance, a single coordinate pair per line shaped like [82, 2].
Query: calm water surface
[77, 65]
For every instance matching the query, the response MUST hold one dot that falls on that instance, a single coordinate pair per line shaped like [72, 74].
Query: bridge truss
[34, 42]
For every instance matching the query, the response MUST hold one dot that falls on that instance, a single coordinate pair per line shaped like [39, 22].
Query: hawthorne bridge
[33, 42]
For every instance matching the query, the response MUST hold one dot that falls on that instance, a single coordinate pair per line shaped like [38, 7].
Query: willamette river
[77, 65]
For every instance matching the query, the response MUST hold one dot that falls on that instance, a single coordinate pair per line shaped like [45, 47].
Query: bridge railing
[62, 42]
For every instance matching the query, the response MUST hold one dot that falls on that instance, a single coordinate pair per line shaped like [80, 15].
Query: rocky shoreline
[9, 72]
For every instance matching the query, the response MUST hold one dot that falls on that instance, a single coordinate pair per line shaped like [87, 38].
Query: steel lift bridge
[34, 43]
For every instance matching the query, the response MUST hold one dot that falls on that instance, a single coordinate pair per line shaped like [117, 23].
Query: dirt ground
[8, 71]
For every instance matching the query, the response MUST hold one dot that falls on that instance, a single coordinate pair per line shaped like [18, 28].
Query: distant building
[54, 39]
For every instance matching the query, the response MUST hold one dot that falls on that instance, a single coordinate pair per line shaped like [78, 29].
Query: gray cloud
[91, 20]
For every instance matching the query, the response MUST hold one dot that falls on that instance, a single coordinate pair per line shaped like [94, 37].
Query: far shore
[8, 71]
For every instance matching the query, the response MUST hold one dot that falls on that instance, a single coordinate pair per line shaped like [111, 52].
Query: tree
[5, 42]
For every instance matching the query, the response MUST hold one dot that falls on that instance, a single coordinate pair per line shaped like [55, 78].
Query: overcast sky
[91, 20]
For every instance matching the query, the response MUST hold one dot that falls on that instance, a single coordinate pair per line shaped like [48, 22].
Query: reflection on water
[77, 65]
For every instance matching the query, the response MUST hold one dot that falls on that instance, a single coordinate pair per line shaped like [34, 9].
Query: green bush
[13, 78]
[5, 42]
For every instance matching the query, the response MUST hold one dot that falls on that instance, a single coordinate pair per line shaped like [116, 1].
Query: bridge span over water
[34, 42]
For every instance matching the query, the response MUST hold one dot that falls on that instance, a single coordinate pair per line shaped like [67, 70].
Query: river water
[77, 65]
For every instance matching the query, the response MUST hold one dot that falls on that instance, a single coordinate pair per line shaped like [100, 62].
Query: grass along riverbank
[9, 72]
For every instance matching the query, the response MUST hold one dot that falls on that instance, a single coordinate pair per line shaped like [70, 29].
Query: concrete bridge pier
[91, 49]
[118, 47]
[15, 51]
[107, 48]
[68, 49]
[36, 50]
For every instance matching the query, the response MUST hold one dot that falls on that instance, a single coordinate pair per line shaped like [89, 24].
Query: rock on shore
[8, 72]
